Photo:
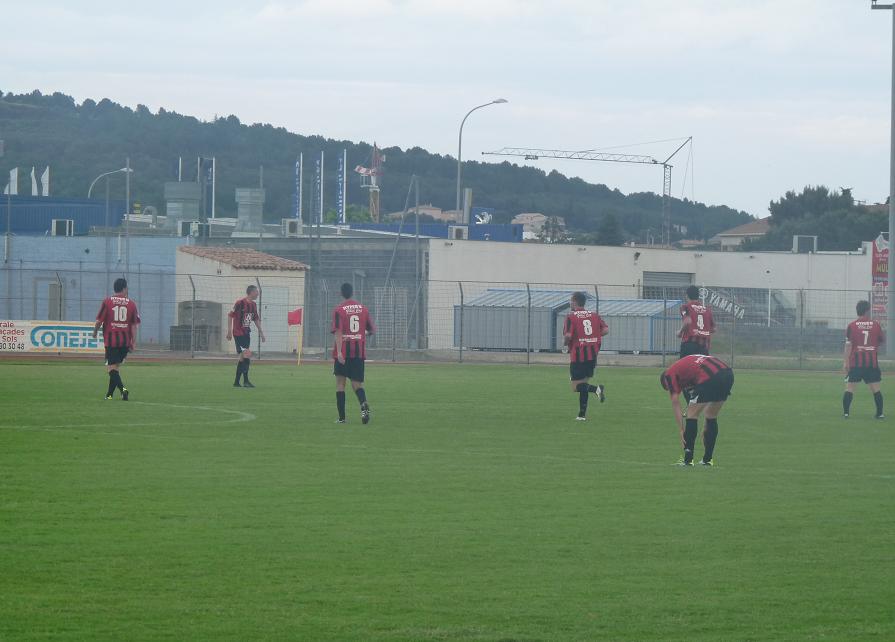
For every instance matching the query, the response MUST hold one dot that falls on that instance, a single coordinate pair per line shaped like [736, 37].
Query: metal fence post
[460, 283]
[733, 329]
[528, 323]
[193, 320]
[61, 284]
[596, 300]
[394, 324]
[801, 324]
[260, 303]
[664, 323]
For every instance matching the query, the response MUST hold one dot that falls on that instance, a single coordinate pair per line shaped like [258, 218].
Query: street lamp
[497, 101]
[890, 298]
[114, 171]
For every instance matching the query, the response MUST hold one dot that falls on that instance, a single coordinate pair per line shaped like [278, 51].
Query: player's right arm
[685, 321]
[678, 413]
[337, 331]
[567, 331]
[100, 317]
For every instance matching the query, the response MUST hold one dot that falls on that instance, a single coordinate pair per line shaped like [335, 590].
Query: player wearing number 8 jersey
[351, 325]
[118, 318]
[698, 325]
[583, 334]
[863, 337]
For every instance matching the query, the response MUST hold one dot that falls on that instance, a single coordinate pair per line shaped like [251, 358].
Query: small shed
[211, 279]
[498, 319]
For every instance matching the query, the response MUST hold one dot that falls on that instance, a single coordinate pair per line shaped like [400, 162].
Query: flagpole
[301, 336]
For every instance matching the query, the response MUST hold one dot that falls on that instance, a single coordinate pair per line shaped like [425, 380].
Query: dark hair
[862, 308]
[580, 298]
[347, 290]
[251, 289]
[120, 285]
[693, 293]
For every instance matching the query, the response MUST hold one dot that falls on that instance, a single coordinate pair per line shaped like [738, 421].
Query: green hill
[80, 142]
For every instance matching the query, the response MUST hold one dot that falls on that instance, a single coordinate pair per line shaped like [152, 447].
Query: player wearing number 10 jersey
[118, 318]
[863, 338]
[698, 325]
[583, 334]
[351, 325]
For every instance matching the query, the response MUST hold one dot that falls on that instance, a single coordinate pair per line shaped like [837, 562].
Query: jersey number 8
[588, 327]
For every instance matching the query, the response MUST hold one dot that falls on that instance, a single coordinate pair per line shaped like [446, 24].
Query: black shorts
[353, 369]
[242, 343]
[867, 374]
[582, 369]
[114, 356]
[691, 347]
[715, 389]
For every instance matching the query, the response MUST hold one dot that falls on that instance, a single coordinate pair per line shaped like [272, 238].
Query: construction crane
[593, 155]
[370, 180]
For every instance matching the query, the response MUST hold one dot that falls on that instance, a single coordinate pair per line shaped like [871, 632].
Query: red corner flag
[294, 317]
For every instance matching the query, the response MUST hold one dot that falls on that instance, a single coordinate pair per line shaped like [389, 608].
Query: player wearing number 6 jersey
[583, 334]
[118, 318]
[351, 325]
[698, 325]
[241, 317]
[863, 338]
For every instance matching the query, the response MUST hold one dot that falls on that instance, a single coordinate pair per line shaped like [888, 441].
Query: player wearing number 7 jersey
[118, 318]
[583, 334]
[351, 325]
[863, 337]
[698, 325]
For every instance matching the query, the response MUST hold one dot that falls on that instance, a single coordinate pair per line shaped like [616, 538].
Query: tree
[554, 231]
[610, 232]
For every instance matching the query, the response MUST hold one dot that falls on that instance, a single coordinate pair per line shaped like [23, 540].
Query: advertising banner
[49, 336]
[880, 278]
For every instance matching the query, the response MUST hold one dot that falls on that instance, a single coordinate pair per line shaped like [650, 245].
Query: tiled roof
[244, 258]
[752, 228]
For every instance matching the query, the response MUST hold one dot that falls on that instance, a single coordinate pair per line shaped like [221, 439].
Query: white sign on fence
[49, 336]
[721, 302]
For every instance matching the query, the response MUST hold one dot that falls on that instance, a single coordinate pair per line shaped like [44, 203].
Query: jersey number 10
[119, 313]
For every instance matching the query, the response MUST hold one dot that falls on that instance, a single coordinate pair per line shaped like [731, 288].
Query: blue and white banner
[49, 336]
[298, 176]
[340, 197]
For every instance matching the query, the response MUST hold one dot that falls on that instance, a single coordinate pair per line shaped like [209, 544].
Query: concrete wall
[836, 281]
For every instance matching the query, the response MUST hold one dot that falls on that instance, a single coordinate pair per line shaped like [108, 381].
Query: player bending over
[863, 337]
[583, 334]
[708, 380]
[118, 317]
[244, 313]
[351, 325]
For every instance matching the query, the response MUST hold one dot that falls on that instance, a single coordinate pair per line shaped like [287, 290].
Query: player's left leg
[710, 431]
[357, 384]
[246, 362]
[691, 428]
[877, 399]
[848, 395]
[340, 396]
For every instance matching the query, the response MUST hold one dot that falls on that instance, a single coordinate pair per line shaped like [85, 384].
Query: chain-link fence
[185, 314]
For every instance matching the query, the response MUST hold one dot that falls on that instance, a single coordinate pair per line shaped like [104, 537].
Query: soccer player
[351, 325]
[118, 318]
[863, 337]
[244, 313]
[698, 325]
[583, 334]
[709, 382]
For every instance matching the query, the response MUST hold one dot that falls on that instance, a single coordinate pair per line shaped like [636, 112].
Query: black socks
[846, 401]
[340, 404]
[361, 396]
[878, 400]
[690, 430]
[112, 382]
[709, 436]
[238, 371]
[245, 370]
[583, 391]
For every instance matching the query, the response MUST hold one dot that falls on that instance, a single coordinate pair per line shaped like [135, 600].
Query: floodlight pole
[890, 295]
[497, 101]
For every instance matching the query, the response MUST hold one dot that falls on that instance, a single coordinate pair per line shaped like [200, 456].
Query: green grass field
[472, 508]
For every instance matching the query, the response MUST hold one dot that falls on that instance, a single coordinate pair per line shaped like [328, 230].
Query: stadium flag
[33, 182]
[45, 182]
[340, 182]
[13, 187]
[294, 318]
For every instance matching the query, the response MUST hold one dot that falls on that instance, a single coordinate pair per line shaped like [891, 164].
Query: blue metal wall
[33, 214]
[87, 266]
[511, 233]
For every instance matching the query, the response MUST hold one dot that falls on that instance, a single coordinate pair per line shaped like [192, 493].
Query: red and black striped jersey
[691, 371]
[119, 317]
[701, 325]
[584, 330]
[865, 336]
[244, 312]
[353, 319]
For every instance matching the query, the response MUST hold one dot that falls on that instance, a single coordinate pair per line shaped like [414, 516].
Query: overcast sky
[777, 94]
